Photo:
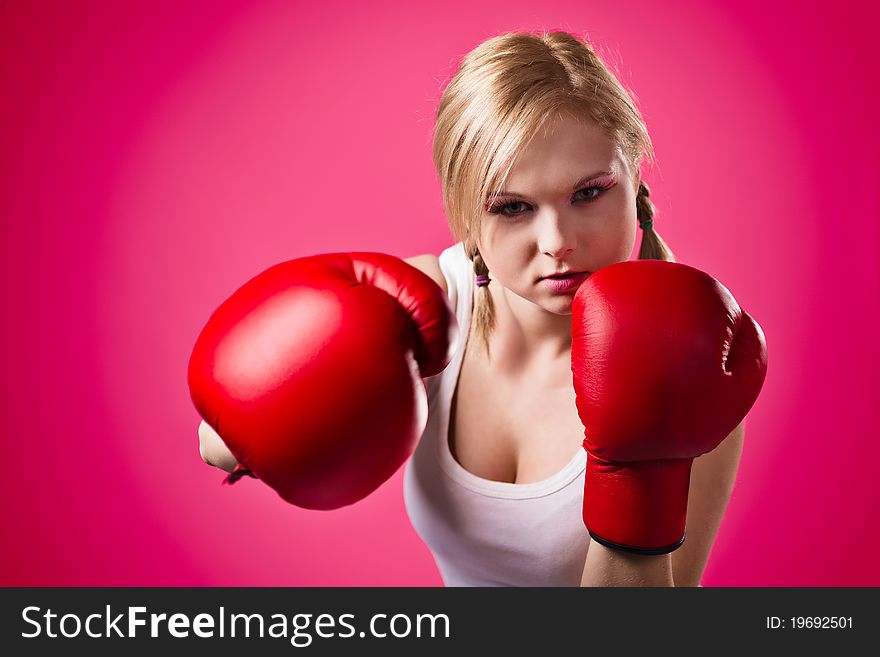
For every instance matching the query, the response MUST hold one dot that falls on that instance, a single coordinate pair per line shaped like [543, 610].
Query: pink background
[154, 157]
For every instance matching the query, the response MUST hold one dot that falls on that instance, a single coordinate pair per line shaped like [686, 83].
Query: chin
[560, 305]
[563, 309]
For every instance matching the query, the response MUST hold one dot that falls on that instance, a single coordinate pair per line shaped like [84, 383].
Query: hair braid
[484, 306]
[652, 247]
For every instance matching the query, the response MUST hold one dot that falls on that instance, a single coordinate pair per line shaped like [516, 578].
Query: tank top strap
[458, 271]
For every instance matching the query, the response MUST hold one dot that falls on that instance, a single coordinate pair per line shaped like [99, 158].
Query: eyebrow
[580, 183]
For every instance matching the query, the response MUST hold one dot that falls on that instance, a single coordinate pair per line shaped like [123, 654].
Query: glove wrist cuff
[637, 507]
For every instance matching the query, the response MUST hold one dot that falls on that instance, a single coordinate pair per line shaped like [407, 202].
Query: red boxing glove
[665, 364]
[311, 372]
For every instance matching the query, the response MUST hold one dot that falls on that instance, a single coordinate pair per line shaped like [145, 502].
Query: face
[548, 219]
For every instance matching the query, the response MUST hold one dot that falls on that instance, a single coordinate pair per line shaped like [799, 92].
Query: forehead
[562, 152]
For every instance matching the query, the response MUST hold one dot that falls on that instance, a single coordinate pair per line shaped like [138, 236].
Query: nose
[556, 234]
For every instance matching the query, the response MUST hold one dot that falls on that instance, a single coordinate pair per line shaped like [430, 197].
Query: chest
[518, 427]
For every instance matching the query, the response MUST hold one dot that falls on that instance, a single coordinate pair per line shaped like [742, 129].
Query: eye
[514, 208]
[598, 189]
[509, 209]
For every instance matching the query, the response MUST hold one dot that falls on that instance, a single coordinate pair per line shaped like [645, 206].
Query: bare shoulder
[429, 264]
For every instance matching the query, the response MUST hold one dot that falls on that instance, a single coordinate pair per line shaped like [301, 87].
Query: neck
[526, 335]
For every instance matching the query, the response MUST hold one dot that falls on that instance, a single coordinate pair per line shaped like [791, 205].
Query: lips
[566, 275]
[565, 283]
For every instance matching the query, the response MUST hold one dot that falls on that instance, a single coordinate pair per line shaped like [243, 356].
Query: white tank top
[483, 532]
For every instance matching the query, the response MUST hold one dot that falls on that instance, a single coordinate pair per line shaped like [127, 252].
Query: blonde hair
[503, 93]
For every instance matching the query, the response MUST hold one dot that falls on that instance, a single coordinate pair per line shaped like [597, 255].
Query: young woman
[538, 148]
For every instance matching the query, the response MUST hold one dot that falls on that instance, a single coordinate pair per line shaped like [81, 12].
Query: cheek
[617, 236]
[626, 239]
[500, 245]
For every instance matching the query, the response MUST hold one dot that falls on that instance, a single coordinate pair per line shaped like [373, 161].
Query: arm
[695, 379]
[430, 265]
[607, 567]
[213, 450]
[712, 479]
[276, 361]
